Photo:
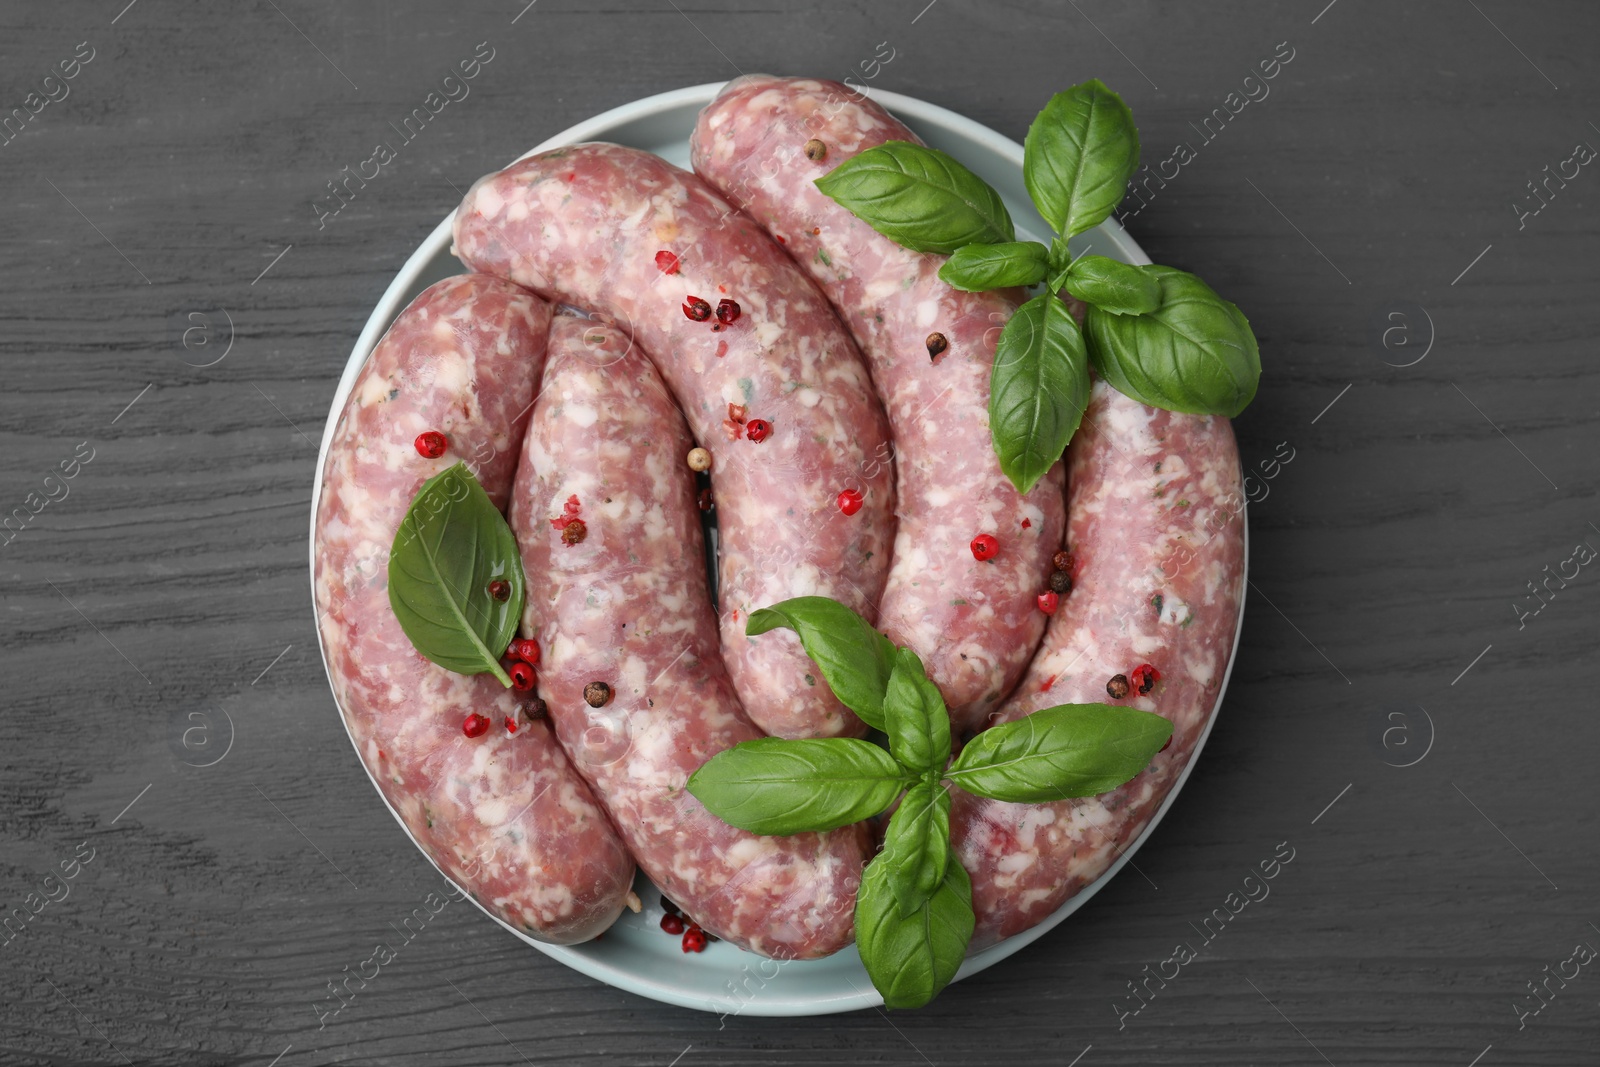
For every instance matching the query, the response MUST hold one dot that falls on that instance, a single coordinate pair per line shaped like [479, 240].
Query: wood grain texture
[1386, 556]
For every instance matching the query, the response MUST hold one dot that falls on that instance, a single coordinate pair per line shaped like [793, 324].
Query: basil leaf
[916, 846]
[977, 268]
[919, 197]
[915, 718]
[911, 958]
[1119, 288]
[1073, 750]
[1194, 353]
[1078, 156]
[774, 786]
[1037, 390]
[855, 659]
[452, 543]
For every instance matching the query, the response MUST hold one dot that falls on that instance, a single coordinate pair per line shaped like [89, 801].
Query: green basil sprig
[1167, 343]
[451, 545]
[914, 908]
[919, 198]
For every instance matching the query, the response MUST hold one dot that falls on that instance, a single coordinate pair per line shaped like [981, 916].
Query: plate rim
[382, 316]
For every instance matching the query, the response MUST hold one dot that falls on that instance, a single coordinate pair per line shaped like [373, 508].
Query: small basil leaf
[1073, 750]
[854, 659]
[977, 268]
[452, 543]
[1078, 156]
[916, 846]
[910, 959]
[1060, 255]
[1037, 390]
[1120, 288]
[1194, 353]
[774, 786]
[915, 718]
[919, 197]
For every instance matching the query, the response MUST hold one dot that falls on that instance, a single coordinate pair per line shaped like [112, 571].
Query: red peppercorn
[697, 309]
[475, 725]
[1063, 561]
[849, 501]
[524, 648]
[1048, 602]
[1144, 678]
[728, 312]
[758, 429]
[666, 262]
[694, 941]
[431, 444]
[511, 725]
[500, 589]
[522, 676]
[672, 924]
[985, 547]
[574, 532]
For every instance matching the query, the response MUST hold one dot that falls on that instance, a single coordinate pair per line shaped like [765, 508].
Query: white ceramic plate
[635, 954]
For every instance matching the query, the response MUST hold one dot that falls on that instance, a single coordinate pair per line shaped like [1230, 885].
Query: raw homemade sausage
[769, 380]
[505, 815]
[637, 691]
[930, 348]
[1156, 529]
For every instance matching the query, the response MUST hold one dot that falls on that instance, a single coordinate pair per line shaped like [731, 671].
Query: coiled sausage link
[930, 348]
[504, 815]
[1156, 529]
[773, 386]
[637, 691]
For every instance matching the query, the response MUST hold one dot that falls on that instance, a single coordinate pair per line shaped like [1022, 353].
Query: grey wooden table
[1405, 713]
